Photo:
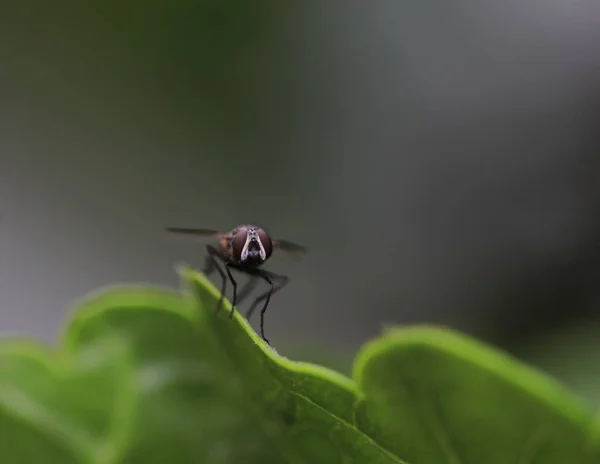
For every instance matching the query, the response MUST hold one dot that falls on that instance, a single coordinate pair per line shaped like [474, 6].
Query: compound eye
[266, 242]
[237, 244]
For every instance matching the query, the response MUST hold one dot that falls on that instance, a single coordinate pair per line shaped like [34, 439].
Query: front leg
[212, 257]
[234, 283]
[270, 278]
[247, 289]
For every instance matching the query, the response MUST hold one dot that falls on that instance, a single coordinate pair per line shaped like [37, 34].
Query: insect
[245, 249]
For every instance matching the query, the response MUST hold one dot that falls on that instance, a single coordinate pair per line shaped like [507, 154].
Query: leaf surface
[148, 375]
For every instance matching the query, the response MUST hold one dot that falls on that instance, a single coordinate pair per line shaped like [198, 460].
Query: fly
[245, 248]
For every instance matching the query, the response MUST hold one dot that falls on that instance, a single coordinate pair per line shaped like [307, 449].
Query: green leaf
[67, 410]
[146, 375]
[432, 395]
[315, 405]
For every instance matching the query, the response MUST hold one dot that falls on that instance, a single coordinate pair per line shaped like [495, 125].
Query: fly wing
[197, 232]
[290, 248]
[184, 232]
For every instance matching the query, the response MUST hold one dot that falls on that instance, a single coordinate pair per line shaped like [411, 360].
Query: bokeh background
[440, 159]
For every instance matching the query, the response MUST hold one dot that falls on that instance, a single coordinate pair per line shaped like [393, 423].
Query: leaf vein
[347, 424]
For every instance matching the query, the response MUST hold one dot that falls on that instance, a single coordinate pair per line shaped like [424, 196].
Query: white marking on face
[250, 236]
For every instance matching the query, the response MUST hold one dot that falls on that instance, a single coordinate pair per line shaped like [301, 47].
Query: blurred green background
[439, 159]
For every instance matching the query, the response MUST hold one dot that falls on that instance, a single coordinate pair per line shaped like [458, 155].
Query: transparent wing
[184, 233]
[289, 247]
[196, 232]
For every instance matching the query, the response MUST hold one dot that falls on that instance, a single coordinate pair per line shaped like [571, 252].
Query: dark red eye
[237, 244]
[266, 242]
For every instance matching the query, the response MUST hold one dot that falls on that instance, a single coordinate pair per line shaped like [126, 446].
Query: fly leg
[211, 265]
[247, 289]
[270, 278]
[234, 283]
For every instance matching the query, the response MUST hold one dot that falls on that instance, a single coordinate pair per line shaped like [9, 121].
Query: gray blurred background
[439, 158]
